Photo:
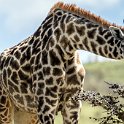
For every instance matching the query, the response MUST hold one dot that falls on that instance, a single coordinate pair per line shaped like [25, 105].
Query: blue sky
[20, 18]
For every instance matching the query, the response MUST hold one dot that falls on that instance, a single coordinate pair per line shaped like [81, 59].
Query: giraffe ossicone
[41, 73]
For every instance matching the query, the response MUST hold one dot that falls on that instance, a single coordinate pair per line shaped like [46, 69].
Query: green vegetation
[96, 74]
[113, 71]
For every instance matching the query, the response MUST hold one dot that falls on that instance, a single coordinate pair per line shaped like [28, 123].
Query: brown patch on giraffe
[57, 72]
[102, 31]
[22, 75]
[91, 33]
[110, 55]
[40, 76]
[107, 35]
[71, 70]
[26, 68]
[17, 54]
[60, 52]
[41, 86]
[70, 29]
[77, 39]
[85, 41]
[110, 48]
[100, 40]
[57, 33]
[14, 64]
[94, 46]
[62, 25]
[80, 30]
[53, 58]
[82, 12]
[23, 88]
[46, 70]
[111, 41]
[51, 93]
[72, 80]
[19, 99]
[115, 52]
[64, 41]
[101, 52]
[106, 49]
[3, 100]
[4, 76]
[44, 57]
[14, 77]
[49, 81]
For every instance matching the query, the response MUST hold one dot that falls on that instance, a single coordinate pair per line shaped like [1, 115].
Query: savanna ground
[96, 74]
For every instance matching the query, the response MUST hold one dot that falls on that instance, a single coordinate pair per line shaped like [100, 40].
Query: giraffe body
[77, 75]
[37, 76]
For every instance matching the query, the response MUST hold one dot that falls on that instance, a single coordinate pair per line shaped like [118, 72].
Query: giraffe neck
[67, 32]
[73, 33]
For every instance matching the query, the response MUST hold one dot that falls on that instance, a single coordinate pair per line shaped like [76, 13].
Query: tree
[111, 103]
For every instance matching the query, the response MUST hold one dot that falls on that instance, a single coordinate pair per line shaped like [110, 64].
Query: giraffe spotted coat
[36, 74]
[75, 76]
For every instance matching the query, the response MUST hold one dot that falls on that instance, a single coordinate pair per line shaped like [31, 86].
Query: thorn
[107, 83]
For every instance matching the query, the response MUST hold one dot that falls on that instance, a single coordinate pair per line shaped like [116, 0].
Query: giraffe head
[117, 33]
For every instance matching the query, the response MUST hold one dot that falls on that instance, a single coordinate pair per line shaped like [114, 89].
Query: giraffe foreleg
[47, 110]
[75, 74]
[70, 112]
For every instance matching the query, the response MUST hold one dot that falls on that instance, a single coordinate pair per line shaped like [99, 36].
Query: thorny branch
[112, 104]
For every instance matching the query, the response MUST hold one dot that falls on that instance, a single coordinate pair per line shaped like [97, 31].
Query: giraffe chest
[23, 86]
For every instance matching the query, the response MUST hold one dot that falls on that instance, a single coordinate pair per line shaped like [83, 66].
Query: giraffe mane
[82, 12]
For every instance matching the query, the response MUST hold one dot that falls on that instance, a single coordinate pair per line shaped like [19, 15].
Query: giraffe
[75, 76]
[35, 74]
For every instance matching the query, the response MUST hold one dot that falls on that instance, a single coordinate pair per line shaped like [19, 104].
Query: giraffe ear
[116, 32]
